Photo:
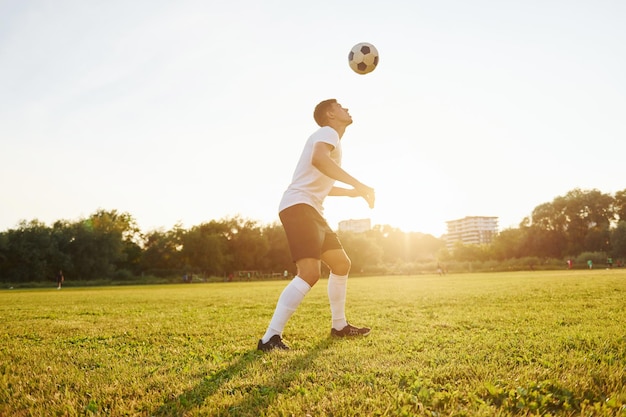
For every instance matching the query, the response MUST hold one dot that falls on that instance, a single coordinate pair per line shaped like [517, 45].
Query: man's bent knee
[338, 262]
[310, 279]
[309, 270]
[341, 268]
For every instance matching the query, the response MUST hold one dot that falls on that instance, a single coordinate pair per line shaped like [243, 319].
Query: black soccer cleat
[350, 331]
[275, 342]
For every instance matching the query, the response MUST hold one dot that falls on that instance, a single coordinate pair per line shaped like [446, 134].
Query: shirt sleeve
[328, 135]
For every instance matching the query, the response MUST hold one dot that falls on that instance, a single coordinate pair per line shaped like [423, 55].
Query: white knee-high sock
[337, 289]
[288, 302]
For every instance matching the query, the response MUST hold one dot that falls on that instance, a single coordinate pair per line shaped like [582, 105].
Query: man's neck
[340, 129]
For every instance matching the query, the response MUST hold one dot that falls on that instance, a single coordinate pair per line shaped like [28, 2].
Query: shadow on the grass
[254, 398]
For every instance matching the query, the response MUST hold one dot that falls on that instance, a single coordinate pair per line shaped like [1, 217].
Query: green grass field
[499, 344]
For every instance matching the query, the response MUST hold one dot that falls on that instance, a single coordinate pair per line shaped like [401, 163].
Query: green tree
[205, 249]
[29, 253]
[508, 244]
[278, 256]
[363, 251]
[246, 243]
[619, 205]
[162, 252]
[545, 233]
[570, 224]
[589, 215]
[549, 216]
[4, 253]
[423, 246]
[467, 253]
[392, 242]
[618, 240]
[98, 244]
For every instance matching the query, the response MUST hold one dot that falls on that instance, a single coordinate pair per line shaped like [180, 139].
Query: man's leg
[339, 264]
[292, 296]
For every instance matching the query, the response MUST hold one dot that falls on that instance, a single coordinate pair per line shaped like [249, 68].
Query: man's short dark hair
[320, 111]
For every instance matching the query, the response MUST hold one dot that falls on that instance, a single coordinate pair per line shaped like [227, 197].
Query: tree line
[109, 245]
[580, 222]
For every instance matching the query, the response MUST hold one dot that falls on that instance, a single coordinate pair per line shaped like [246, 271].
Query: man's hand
[367, 193]
[360, 190]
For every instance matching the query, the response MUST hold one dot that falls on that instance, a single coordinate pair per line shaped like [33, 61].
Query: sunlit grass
[476, 344]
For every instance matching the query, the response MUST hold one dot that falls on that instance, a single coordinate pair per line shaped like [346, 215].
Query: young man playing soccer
[311, 240]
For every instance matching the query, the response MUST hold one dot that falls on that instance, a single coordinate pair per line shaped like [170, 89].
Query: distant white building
[355, 226]
[471, 230]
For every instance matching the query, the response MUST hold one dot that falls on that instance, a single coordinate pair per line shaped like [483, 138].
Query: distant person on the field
[609, 262]
[590, 264]
[60, 279]
[310, 238]
[569, 264]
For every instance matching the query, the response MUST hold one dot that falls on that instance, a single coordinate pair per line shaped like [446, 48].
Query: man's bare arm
[321, 160]
[344, 192]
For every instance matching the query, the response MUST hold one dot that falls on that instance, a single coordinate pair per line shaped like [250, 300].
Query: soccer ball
[363, 58]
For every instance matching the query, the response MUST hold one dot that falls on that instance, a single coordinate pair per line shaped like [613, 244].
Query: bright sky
[191, 111]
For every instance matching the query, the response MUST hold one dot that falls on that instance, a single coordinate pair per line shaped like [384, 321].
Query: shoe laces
[353, 331]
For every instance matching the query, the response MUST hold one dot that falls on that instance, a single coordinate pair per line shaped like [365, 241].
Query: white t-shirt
[309, 185]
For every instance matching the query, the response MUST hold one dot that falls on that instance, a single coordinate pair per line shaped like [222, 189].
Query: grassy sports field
[534, 343]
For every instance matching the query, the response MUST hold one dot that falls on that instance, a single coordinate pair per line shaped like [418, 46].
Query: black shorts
[308, 234]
